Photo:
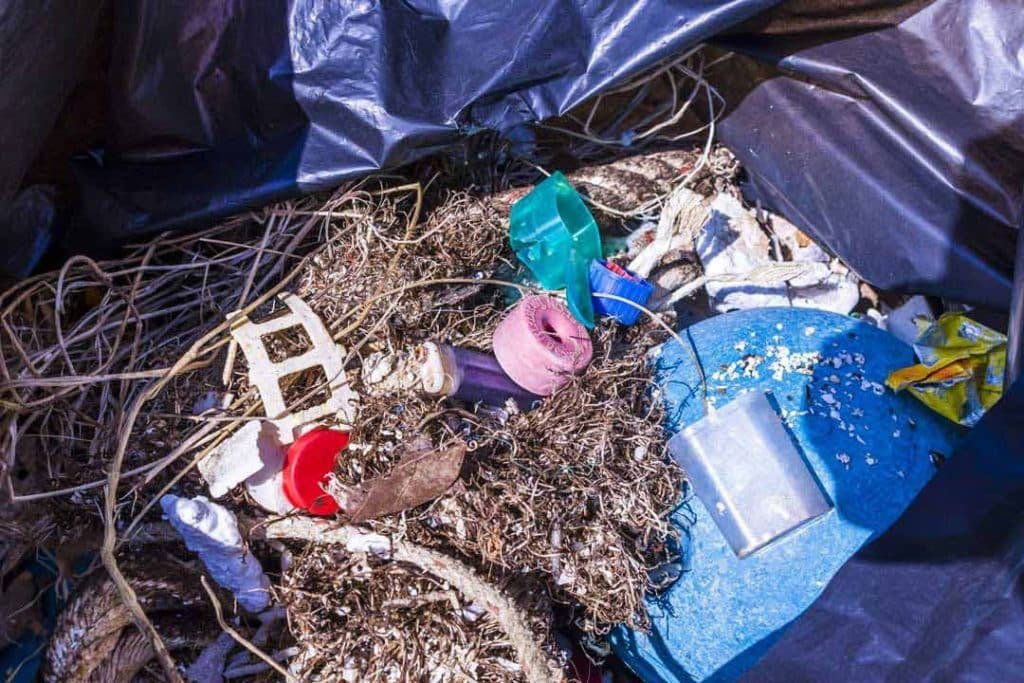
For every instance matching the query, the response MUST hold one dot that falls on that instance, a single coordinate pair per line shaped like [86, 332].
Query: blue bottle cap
[608, 278]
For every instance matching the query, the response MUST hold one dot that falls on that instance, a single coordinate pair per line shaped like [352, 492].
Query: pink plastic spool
[540, 345]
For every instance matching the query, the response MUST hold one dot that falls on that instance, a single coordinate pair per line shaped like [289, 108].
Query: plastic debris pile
[215, 388]
[385, 359]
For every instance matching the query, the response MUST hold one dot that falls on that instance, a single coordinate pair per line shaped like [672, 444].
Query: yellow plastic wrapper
[961, 371]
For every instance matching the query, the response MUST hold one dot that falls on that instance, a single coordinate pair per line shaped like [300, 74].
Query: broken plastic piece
[908, 321]
[468, 375]
[365, 542]
[267, 375]
[607, 277]
[746, 470]
[540, 345]
[211, 532]
[238, 457]
[682, 216]
[310, 459]
[385, 372]
[266, 487]
[733, 243]
[555, 236]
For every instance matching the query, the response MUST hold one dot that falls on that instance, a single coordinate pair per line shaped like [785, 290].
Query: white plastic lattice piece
[267, 375]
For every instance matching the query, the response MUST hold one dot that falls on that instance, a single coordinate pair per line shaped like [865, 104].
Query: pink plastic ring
[540, 345]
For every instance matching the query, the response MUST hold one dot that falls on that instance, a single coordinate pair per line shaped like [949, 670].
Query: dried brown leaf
[419, 478]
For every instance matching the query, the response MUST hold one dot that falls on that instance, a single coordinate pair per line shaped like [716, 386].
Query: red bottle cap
[310, 459]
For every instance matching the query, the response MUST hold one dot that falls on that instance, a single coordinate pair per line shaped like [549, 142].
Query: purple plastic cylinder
[480, 378]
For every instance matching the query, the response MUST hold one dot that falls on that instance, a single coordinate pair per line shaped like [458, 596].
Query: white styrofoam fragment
[211, 531]
[267, 485]
[369, 543]
[233, 461]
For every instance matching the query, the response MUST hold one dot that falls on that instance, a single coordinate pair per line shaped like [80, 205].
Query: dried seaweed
[103, 363]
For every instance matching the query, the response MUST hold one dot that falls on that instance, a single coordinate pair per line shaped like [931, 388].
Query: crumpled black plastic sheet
[892, 132]
[940, 595]
[221, 105]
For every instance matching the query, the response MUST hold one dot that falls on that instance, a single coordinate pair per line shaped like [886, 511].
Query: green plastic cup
[555, 236]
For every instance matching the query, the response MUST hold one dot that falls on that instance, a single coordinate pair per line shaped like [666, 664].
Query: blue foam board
[871, 450]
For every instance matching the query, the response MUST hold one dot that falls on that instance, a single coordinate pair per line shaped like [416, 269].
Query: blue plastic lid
[608, 278]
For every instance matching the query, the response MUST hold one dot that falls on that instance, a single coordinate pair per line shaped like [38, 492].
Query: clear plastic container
[746, 470]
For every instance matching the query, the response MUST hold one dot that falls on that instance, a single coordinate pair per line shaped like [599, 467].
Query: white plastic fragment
[369, 543]
[266, 486]
[902, 322]
[836, 291]
[683, 214]
[211, 531]
[733, 243]
[266, 374]
[385, 372]
[238, 457]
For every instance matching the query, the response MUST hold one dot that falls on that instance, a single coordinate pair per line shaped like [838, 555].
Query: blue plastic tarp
[870, 450]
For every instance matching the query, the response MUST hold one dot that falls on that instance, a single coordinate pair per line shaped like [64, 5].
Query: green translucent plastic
[555, 236]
